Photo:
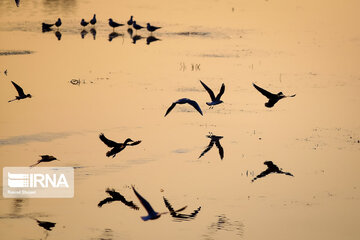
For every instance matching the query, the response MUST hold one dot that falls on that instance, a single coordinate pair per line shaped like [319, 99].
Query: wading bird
[214, 139]
[116, 147]
[21, 93]
[214, 100]
[273, 98]
[151, 28]
[84, 23]
[47, 26]
[93, 20]
[116, 196]
[272, 168]
[45, 158]
[130, 22]
[114, 24]
[175, 214]
[183, 101]
[137, 26]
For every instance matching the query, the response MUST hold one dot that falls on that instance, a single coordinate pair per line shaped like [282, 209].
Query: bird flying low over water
[114, 24]
[273, 98]
[183, 101]
[214, 100]
[21, 93]
[45, 158]
[46, 225]
[272, 168]
[175, 214]
[115, 196]
[214, 139]
[151, 28]
[151, 213]
[93, 20]
[116, 147]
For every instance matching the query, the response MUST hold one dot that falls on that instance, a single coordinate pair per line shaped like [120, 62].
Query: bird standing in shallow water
[151, 28]
[84, 23]
[58, 23]
[114, 24]
[214, 100]
[183, 101]
[115, 196]
[45, 158]
[116, 147]
[93, 20]
[21, 93]
[130, 22]
[272, 168]
[273, 98]
[137, 26]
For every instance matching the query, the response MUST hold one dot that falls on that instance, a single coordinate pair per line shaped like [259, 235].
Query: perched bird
[93, 20]
[214, 100]
[116, 147]
[47, 26]
[45, 158]
[151, 213]
[273, 98]
[115, 196]
[130, 22]
[175, 214]
[214, 139]
[21, 93]
[151, 39]
[83, 23]
[46, 225]
[183, 101]
[114, 24]
[272, 168]
[58, 23]
[151, 28]
[136, 26]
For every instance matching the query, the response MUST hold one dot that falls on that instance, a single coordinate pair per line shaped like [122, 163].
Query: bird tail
[145, 218]
[34, 164]
[12, 100]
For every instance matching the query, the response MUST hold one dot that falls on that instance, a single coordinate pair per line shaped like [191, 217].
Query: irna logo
[31, 180]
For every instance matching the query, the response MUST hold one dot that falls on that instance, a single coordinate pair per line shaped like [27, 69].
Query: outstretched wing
[18, 89]
[222, 90]
[221, 150]
[168, 206]
[195, 105]
[170, 108]
[211, 93]
[106, 200]
[108, 142]
[117, 196]
[145, 203]
[262, 174]
[264, 92]
[135, 143]
[211, 144]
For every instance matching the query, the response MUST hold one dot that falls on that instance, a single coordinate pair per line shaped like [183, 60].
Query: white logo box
[38, 182]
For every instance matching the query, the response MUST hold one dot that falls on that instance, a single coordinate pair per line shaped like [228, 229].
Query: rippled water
[83, 84]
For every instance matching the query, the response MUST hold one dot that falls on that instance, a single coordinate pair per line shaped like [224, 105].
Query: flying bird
[175, 214]
[272, 168]
[21, 93]
[214, 139]
[114, 24]
[84, 23]
[130, 22]
[273, 98]
[116, 147]
[183, 101]
[151, 28]
[137, 26]
[46, 225]
[93, 20]
[116, 196]
[214, 100]
[45, 158]
[151, 213]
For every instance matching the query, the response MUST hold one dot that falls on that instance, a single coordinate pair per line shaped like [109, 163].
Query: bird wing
[262, 174]
[114, 151]
[211, 144]
[18, 89]
[195, 105]
[221, 150]
[168, 206]
[264, 92]
[222, 90]
[145, 203]
[117, 196]
[106, 200]
[170, 108]
[108, 142]
[211, 93]
[135, 143]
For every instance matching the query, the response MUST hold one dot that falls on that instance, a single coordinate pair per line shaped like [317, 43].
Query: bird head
[268, 163]
[128, 140]
[110, 20]
[28, 95]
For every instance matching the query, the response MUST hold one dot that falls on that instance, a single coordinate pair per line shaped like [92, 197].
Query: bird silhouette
[46, 27]
[46, 225]
[93, 33]
[93, 20]
[136, 38]
[151, 28]
[58, 35]
[116, 147]
[83, 33]
[17, 2]
[175, 214]
[137, 26]
[183, 101]
[84, 23]
[214, 100]
[130, 22]
[21, 93]
[272, 168]
[214, 139]
[58, 23]
[113, 35]
[130, 32]
[151, 39]
[45, 158]
[151, 213]
[116, 196]
[114, 24]
[273, 98]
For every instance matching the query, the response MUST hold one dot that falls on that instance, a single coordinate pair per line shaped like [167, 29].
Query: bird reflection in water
[58, 35]
[151, 39]
[83, 33]
[93, 33]
[181, 216]
[136, 38]
[130, 32]
[116, 196]
[114, 35]
[214, 140]
[17, 2]
[223, 223]
[272, 168]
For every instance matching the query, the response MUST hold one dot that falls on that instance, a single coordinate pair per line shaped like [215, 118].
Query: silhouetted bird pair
[47, 26]
[85, 23]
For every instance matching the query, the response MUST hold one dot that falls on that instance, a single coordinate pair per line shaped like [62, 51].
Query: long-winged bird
[46, 225]
[116, 196]
[271, 168]
[183, 101]
[84, 23]
[175, 214]
[130, 22]
[214, 100]
[93, 20]
[114, 24]
[45, 158]
[214, 139]
[137, 26]
[21, 93]
[151, 28]
[116, 147]
[273, 98]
